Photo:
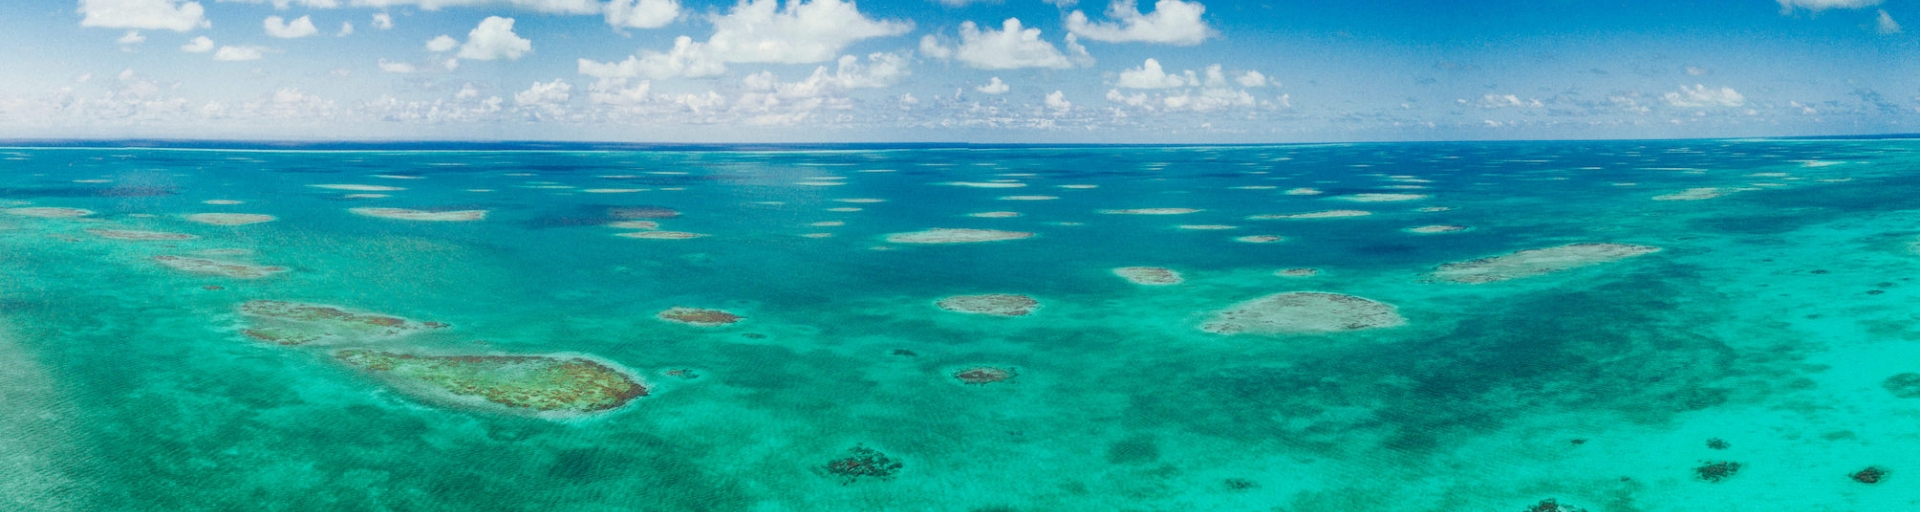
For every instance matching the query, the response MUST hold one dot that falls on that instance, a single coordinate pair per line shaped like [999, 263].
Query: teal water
[1773, 319]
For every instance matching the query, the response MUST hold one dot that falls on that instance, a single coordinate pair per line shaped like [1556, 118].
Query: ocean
[1610, 325]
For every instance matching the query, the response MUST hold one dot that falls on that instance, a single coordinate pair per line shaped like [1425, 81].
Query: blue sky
[948, 70]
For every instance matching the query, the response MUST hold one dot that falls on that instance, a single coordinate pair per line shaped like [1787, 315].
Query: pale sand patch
[877, 170]
[1768, 175]
[613, 190]
[1016, 175]
[399, 177]
[130, 234]
[366, 196]
[698, 317]
[520, 174]
[1304, 313]
[817, 235]
[48, 212]
[1206, 227]
[1535, 262]
[828, 224]
[1297, 272]
[1835, 180]
[219, 268]
[673, 188]
[357, 188]
[1152, 211]
[844, 209]
[142, 215]
[861, 200]
[975, 184]
[1381, 198]
[548, 187]
[230, 219]
[994, 215]
[479, 190]
[421, 215]
[1436, 228]
[221, 202]
[1028, 198]
[1327, 214]
[93, 181]
[668, 173]
[1151, 276]
[956, 236]
[661, 235]
[634, 224]
[1431, 209]
[997, 304]
[1304, 191]
[1405, 187]
[1626, 184]
[1254, 187]
[1079, 187]
[1259, 239]
[1694, 194]
[1818, 163]
[818, 183]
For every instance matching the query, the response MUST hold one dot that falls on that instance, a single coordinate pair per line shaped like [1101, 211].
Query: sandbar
[421, 215]
[976, 184]
[1206, 227]
[218, 268]
[1534, 262]
[357, 188]
[1259, 239]
[1304, 313]
[230, 219]
[47, 212]
[1150, 276]
[1152, 211]
[661, 235]
[996, 304]
[698, 317]
[1381, 198]
[1303, 191]
[994, 215]
[1694, 194]
[1436, 228]
[1328, 214]
[1028, 198]
[131, 234]
[956, 236]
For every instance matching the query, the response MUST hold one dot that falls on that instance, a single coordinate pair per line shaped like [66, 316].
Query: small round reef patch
[1871, 475]
[522, 383]
[699, 317]
[1304, 313]
[1150, 276]
[983, 375]
[1716, 471]
[1550, 505]
[996, 304]
[863, 462]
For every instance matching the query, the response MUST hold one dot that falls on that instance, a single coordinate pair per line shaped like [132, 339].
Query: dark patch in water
[1138, 449]
[87, 192]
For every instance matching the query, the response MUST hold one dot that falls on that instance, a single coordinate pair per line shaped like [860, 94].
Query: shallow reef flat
[956, 236]
[1324, 214]
[230, 219]
[1304, 313]
[1150, 276]
[298, 323]
[518, 383]
[993, 304]
[218, 268]
[698, 317]
[1535, 262]
[46, 212]
[137, 235]
[421, 215]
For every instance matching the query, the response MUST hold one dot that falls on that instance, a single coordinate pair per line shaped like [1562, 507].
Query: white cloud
[1885, 24]
[146, 14]
[442, 43]
[1787, 6]
[238, 53]
[550, 93]
[1171, 22]
[396, 67]
[279, 27]
[198, 45]
[494, 39]
[930, 46]
[618, 92]
[1011, 47]
[1507, 100]
[549, 6]
[994, 86]
[642, 13]
[1252, 79]
[1701, 96]
[1698, 71]
[803, 32]
[382, 21]
[346, 29]
[133, 37]
[1058, 102]
[1151, 76]
[687, 59]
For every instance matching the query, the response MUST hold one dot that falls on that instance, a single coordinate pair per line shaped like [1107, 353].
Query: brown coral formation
[1151, 276]
[218, 268]
[699, 317]
[997, 304]
[983, 375]
[297, 323]
[543, 383]
[1535, 262]
[1304, 313]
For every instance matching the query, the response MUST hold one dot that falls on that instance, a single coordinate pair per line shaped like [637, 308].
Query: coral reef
[1436, 228]
[1259, 239]
[983, 375]
[1871, 475]
[699, 317]
[1327, 214]
[1151, 276]
[1716, 471]
[863, 462]
[1551, 505]
[1303, 313]
[1298, 272]
[956, 236]
[642, 212]
[1535, 262]
[48, 212]
[1152, 211]
[661, 235]
[1381, 198]
[1903, 385]
[129, 234]
[296, 323]
[421, 215]
[1718, 444]
[218, 268]
[230, 219]
[996, 304]
[528, 383]
[1694, 194]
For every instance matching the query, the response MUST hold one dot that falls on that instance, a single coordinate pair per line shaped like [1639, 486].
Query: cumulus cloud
[1885, 24]
[1506, 101]
[1011, 47]
[239, 53]
[279, 27]
[548, 93]
[994, 86]
[1057, 101]
[1787, 6]
[1151, 76]
[642, 13]
[802, 32]
[1700, 96]
[930, 46]
[396, 67]
[1252, 79]
[686, 59]
[346, 29]
[493, 39]
[144, 14]
[382, 21]
[131, 38]
[200, 44]
[1171, 22]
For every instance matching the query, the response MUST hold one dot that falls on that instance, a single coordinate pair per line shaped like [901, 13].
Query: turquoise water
[1773, 319]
